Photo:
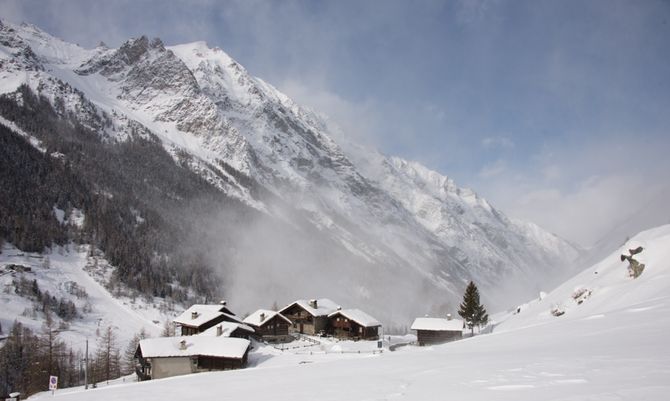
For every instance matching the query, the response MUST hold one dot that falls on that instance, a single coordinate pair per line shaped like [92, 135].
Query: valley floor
[595, 358]
[611, 346]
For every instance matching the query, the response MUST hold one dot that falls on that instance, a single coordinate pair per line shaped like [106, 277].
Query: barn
[157, 358]
[432, 330]
[309, 316]
[353, 324]
[270, 326]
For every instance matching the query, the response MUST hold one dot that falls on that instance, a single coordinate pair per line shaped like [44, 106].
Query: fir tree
[471, 310]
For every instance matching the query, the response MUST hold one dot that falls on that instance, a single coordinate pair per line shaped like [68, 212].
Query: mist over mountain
[197, 179]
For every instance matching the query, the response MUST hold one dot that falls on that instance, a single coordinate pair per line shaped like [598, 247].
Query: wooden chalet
[353, 324]
[157, 358]
[269, 325]
[229, 329]
[198, 318]
[309, 316]
[430, 330]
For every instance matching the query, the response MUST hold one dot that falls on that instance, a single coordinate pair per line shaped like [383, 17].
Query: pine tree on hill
[471, 310]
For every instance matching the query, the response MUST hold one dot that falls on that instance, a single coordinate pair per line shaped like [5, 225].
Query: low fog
[264, 261]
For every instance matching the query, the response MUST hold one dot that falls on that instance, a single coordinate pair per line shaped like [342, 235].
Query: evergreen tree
[471, 310]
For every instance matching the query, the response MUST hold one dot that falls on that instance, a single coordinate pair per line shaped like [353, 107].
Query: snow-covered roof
[324, 306]
[222, 347]
[231, 318]
[262, 316]
[357, 316]
[437, 324]
[197, 315]
[226, 329]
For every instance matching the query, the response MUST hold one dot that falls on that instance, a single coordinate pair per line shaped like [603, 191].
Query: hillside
[611, 346]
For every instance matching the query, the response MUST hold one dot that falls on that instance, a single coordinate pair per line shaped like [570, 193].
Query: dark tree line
[139, 205]
[28, 359]
[45, 302]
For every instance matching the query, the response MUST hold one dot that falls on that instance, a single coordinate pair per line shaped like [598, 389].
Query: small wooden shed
[309, 316]
[270, 326]
[353, 324]
[158, 358]
[432, 330]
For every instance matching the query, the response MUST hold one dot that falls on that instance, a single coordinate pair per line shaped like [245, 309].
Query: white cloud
[587, 192]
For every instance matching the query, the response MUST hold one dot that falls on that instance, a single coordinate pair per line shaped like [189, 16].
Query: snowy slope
[606, 290]
[397, 227]
[610, 347]
[57, 272]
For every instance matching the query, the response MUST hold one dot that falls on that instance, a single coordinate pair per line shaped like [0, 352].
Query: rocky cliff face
[398, 227]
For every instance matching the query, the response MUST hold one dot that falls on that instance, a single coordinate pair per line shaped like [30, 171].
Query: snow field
[612, 346]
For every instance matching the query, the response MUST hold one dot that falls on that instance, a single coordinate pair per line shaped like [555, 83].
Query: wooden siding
[209, 363]
[303, 322]
[426, 337]
[342, 327]
[275, 329]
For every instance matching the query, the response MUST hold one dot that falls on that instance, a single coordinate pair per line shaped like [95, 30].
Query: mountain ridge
[379, 215]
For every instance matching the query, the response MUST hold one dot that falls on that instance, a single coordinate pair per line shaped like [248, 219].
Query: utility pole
[86, 367]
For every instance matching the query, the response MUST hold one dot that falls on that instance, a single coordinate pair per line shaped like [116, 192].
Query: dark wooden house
[270, 326]
[157, 358]
[309, 316]
[198, 318]
[353, 324]
[430, 330]
[230, 329]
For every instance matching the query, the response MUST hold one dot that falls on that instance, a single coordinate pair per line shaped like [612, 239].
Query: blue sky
[556, 111]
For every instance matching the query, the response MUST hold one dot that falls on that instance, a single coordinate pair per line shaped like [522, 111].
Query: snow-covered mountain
[337, 220]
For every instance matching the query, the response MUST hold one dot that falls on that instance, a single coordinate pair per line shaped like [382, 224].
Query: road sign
[53, 382]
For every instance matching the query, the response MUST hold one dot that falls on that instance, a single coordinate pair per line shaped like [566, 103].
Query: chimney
[223, 302]
[219, 330]
[182, 345]
[262, 316]
[339, 307]
[313, 303]
[448, 316]
[194, 315]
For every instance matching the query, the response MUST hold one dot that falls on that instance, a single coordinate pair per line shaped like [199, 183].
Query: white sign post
[53, 384]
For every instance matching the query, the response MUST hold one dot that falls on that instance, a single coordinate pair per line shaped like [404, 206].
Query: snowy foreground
[612, 346]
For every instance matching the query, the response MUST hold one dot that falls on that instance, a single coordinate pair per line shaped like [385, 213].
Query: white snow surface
[262, 316]
[223, 347]
[58, 272]
[357, 316]
[324, 306]
[203, 314]
[226, 329]
[437, 324]
[612, 346]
